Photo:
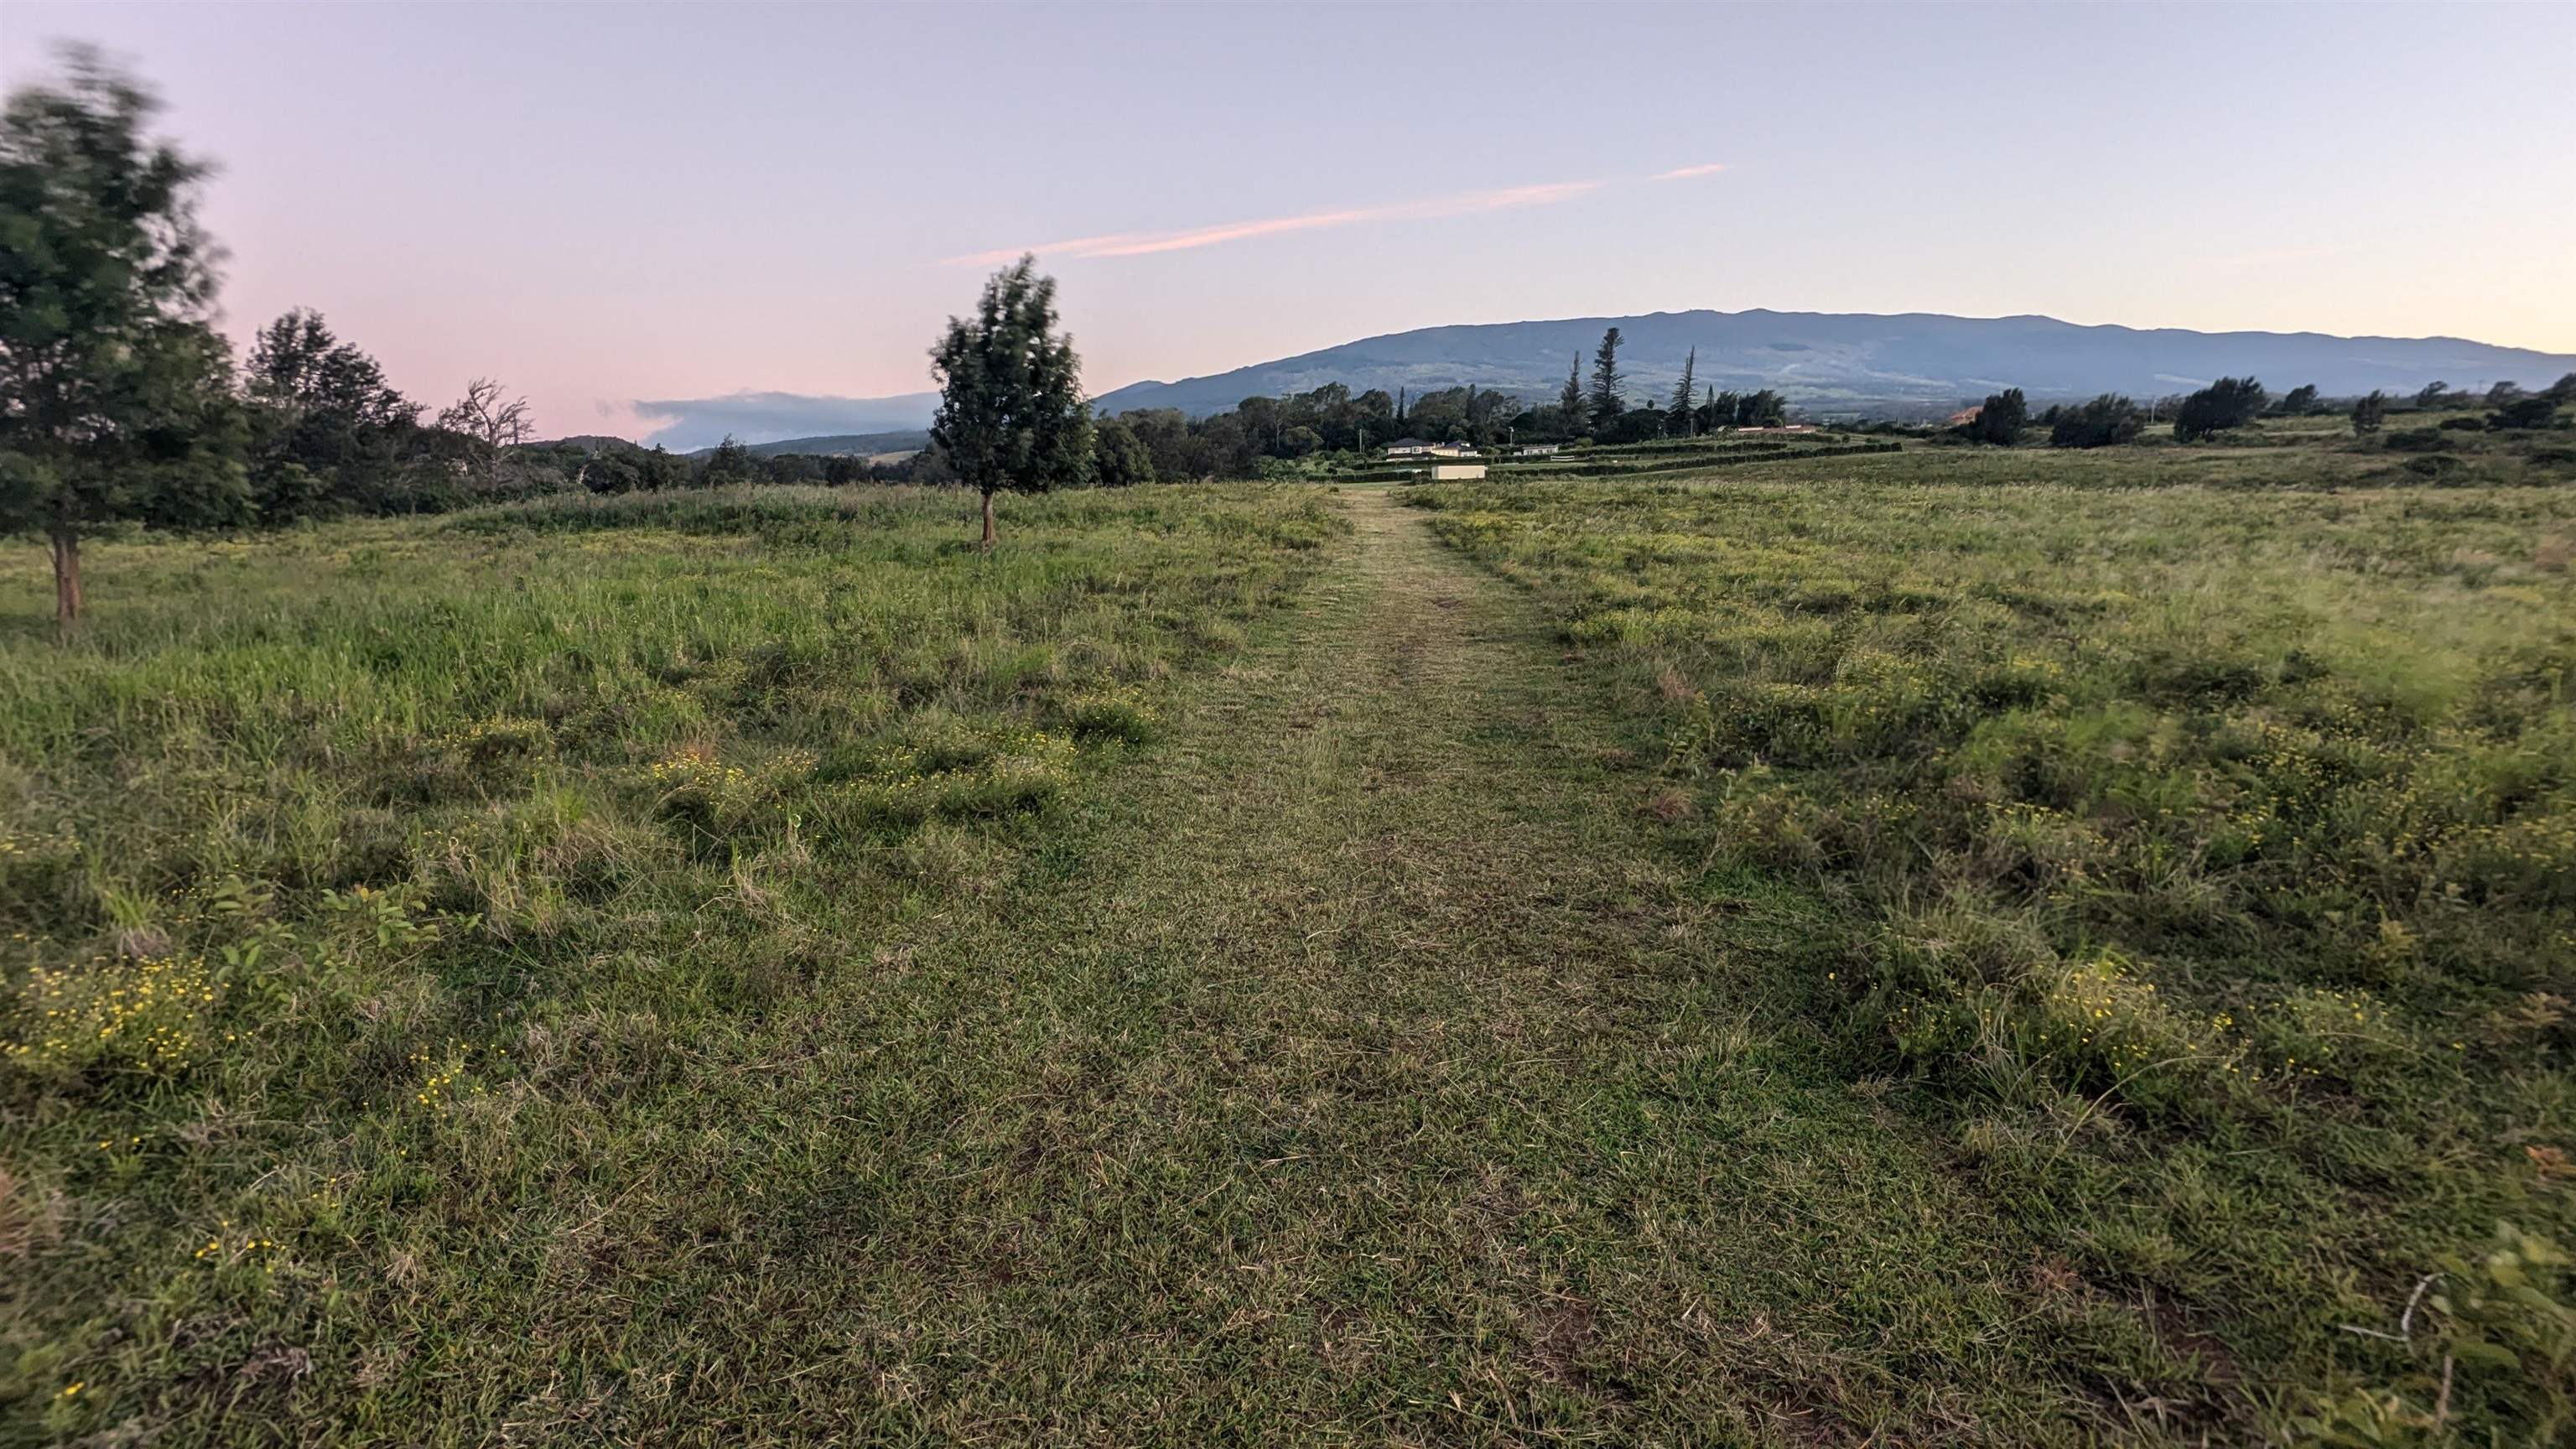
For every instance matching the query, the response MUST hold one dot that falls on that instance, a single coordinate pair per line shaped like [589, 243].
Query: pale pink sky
[601, 203]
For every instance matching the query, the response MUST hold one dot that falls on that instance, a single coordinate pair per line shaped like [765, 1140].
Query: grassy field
[1944, 947]
[2201, 860]
[374, 895]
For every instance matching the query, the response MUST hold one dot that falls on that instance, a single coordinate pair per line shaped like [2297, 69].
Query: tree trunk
[988, 521]
[67, 589]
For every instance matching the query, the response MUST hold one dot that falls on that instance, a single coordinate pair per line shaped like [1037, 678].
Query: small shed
[1455, 472]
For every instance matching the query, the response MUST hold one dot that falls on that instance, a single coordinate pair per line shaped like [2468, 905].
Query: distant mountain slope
[852, 445]
[1860, 361]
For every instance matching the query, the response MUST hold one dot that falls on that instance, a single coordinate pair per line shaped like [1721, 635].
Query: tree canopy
[115, 392]
[1011, 411]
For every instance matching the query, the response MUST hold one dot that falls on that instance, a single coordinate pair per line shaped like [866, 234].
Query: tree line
[2235, 402]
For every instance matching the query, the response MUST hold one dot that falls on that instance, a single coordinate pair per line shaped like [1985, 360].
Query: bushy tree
[327, 430]
[2001, 420]
[2368, 413]
[115, 394]
[1011, 411]
[1605, 401]
[2432, 394]
[2299, 401]
[729, 464]
[2536, 410]
[2562, 391]
[2230, 402]
[1119, 458]
[2106, 420]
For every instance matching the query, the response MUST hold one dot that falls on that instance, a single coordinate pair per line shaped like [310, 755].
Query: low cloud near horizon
[765, 417]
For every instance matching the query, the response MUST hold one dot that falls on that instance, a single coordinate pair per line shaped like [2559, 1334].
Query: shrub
[2105, 421]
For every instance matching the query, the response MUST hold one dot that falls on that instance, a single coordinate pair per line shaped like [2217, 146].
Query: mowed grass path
[1366, 1080]
[1354, 1062]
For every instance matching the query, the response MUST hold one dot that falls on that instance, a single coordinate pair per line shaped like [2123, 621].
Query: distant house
[1454, 472]
[1424, 448]
[1538, 450]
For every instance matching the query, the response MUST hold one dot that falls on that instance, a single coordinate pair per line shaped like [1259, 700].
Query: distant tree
[791, 468]
[2430, 395]
[1118, 457]
[2299, 401]
[1637, 425]
[2368, 413]
[488, 421]
[1011, 410]
[2230, 402]
[1764, 409]
[2001, 420]
[730, 463]
[1678, 416]
[1605, 399]
[326, 428]
[2538, 410]
[658, 468]
[2503, 393]
[1570, 402]
[2563, 390]
[2106, 420]
[115, 393]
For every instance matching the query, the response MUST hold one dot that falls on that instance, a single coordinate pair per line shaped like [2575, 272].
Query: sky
[609, 205]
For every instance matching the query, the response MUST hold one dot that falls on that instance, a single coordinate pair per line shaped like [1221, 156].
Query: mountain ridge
[1858, 362]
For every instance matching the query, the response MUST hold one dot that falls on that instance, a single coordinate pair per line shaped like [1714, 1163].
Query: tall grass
[339, 870]
[2205, 860]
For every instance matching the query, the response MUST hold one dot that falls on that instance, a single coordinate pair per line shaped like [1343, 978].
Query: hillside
[840, 445]
[1860, 361]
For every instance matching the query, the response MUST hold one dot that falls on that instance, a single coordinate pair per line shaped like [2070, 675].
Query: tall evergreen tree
[115, 392]
[1606, 402]
[1011, 410]
[1680, 411]
[1570, 401]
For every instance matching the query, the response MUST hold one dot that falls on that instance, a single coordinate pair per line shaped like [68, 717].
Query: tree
[2431, 394]
[1679, 414]
[2299, 401]
[2001, 420]
[485, 417]
[2106, 420]
[2368, 413]
[326, 428]
[1118, 456]
[1570, 401]
[2537, 410]
[730, 463]
[2563, 390]
[115, 393]
[1011, 411]
[2230, 402]
[1605, 399]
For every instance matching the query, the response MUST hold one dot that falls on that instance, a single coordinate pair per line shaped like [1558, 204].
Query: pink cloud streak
[1138, 244]
[1679, 173]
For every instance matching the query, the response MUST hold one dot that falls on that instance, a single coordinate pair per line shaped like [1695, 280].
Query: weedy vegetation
[366, 890]
[2189, 835]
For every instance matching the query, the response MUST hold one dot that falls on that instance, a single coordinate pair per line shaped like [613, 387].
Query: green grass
[371, 893]
[746, 968]
[2200, 860]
